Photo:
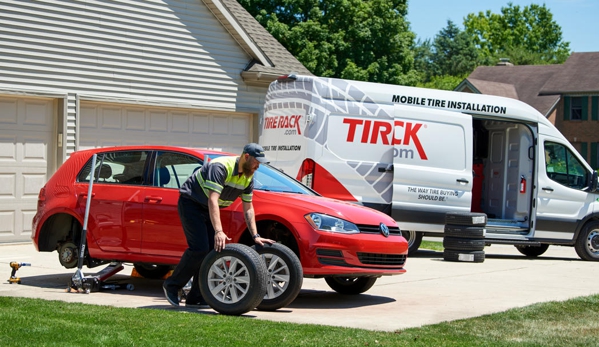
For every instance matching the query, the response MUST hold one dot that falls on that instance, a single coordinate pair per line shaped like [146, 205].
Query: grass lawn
[36, 322]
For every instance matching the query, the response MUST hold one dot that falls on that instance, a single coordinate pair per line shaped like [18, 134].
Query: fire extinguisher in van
[522, 184]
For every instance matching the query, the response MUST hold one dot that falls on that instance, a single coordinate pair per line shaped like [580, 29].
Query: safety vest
[234, 186]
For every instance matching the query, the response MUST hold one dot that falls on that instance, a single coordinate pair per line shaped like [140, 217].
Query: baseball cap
[256, 151]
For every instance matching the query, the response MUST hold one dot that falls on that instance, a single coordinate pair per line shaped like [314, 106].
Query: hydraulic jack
[97, 282]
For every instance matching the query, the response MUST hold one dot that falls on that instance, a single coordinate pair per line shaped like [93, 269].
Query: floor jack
[87, 284]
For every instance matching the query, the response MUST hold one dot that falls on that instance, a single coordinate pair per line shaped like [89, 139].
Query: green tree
[526, 35]
[366, 40]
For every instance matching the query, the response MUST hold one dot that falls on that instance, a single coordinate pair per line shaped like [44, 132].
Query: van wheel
[284, 274]
[587, 244]
[233, 281]
[414, 239]
[151, 271]
[350, 285]
[532, 251]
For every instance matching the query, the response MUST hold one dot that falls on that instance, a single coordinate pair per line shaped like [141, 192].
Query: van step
[502, 229]
[512, 242]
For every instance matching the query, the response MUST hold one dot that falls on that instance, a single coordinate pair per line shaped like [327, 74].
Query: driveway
[432, 290]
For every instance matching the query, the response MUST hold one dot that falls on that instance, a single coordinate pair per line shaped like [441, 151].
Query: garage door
[105, 125]
[26, 153]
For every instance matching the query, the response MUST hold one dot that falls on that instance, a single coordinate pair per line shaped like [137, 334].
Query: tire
[532, 251]
[587, 244]
[466, 218]
[414, 239]
[284, 274]
[350, 285]
[151, 271]
[233, 281]
[463, 244]
[470, 232]
[464, 256]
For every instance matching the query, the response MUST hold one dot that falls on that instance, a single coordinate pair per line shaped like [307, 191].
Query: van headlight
[324, 222]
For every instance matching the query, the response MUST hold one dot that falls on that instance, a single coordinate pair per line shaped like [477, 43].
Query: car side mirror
[593, 184]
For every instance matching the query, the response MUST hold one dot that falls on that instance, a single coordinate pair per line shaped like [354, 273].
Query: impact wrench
[15, 266]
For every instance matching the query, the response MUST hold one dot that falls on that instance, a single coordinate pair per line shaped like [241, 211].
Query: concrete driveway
[432, 290]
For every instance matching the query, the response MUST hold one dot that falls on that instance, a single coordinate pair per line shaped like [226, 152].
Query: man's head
[252, 156]
[256, 151]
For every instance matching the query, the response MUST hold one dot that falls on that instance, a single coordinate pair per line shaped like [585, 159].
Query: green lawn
[33, 322]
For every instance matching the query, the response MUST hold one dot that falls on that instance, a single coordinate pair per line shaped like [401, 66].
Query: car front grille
[382, 259]
[376, 229]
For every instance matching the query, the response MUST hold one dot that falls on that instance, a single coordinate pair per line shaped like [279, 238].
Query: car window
[172, 169]
[563, 167]
[120, 167]
[271, 179]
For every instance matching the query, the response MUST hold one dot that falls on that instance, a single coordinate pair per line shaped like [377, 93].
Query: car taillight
[306, 173]
[41, 198]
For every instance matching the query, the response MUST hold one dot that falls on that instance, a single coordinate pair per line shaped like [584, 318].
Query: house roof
[517, 82]
[270, 58]
[579, 74]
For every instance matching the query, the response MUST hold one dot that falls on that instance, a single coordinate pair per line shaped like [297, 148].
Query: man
[215, 185]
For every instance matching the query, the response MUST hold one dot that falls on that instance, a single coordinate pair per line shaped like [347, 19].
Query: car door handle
[153, 198]
[549, 189]
[462, 180]
[84, 195]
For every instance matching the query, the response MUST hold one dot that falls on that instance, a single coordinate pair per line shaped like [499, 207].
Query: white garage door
[105, 125]
[26, 153]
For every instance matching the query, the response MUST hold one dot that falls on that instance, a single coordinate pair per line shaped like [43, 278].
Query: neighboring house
[82, 74]
[566, 94]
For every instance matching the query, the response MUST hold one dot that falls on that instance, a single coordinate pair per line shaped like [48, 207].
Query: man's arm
[250, 220]
[220, 238]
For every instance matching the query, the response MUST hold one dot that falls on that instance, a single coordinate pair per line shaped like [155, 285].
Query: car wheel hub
[67, 254]
[278, 275]
[228, 280]
[593, 242]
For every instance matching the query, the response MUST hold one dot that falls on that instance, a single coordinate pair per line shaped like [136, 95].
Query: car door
[116, 206]
[563, 200]
[432, 166]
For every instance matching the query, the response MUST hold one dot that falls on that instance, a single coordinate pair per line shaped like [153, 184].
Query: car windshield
[268, 178]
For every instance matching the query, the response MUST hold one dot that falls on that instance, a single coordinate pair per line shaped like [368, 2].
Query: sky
[579, 19]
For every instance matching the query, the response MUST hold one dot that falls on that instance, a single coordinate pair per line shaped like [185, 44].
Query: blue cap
[256, 151]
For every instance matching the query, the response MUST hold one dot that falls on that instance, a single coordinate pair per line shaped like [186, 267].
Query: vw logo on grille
[384, 230]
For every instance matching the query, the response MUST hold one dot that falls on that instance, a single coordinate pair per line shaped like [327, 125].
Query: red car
[133, 218]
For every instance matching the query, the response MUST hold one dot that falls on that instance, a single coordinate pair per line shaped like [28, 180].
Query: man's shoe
[196, 304]
[172, 295]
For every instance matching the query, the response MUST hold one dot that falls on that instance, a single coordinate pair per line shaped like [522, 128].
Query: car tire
[464, 256]
[233, 281]
[151, 271]
[414, 239]
[587, 244]
[350, 285]
[532, 251]
[466, 218]
[470, 232]
[463, 244]
[284, 273]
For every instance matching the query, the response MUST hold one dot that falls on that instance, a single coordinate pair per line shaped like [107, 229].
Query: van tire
[466, 218]
[414, 239]
[463, 244]
[532, 251]
[464, 256]
[284, 273]
[238, 262]
[350, 285]
[471, 232]
[587, 244]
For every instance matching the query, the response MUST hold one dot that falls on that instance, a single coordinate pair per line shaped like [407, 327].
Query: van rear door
[432, 166]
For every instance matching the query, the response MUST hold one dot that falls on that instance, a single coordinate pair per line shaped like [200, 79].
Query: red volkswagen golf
[133, 218]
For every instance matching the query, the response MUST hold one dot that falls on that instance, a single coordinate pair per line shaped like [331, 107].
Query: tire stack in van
[464, 237]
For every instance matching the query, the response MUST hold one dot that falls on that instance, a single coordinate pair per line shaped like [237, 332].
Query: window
[123, 167]
[563, 167]
[575, 108]
[172, 169]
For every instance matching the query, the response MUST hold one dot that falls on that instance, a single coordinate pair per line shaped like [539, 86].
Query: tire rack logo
[284, 122]
[313, 100]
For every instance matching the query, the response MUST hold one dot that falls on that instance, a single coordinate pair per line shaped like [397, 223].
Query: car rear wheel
[284, 275]
[151, 271]
[350, 285]
[233, 281]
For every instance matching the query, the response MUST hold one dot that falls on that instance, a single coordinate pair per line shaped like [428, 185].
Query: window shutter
[594, 155]
[595, 108]
[584, 151]
[585, 107]
[566, 108]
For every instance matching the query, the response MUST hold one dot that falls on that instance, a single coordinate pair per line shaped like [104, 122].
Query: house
[567, 94]
[83, 74]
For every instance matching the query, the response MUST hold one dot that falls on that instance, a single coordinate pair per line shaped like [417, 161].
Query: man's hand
[262, 240]
[220, 238]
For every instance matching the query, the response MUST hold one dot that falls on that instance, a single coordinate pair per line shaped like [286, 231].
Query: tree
[526, 36]
[454, 52]
[365, 40]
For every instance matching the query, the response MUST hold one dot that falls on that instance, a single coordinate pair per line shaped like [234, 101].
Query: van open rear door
[432, 166]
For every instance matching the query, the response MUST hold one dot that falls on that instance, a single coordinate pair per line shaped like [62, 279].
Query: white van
[419, 153]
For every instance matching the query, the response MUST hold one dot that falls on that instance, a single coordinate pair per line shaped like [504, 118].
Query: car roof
[156, 148]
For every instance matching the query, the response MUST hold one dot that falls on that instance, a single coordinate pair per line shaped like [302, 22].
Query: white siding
[161, 52]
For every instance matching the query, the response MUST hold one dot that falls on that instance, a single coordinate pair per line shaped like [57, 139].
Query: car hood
[351, 212]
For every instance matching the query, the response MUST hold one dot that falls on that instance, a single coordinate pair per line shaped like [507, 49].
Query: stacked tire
[464, 238]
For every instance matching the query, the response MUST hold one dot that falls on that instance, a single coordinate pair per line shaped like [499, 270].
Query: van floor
[507, 226]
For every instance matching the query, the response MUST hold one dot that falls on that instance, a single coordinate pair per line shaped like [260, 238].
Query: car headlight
[324, 222]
